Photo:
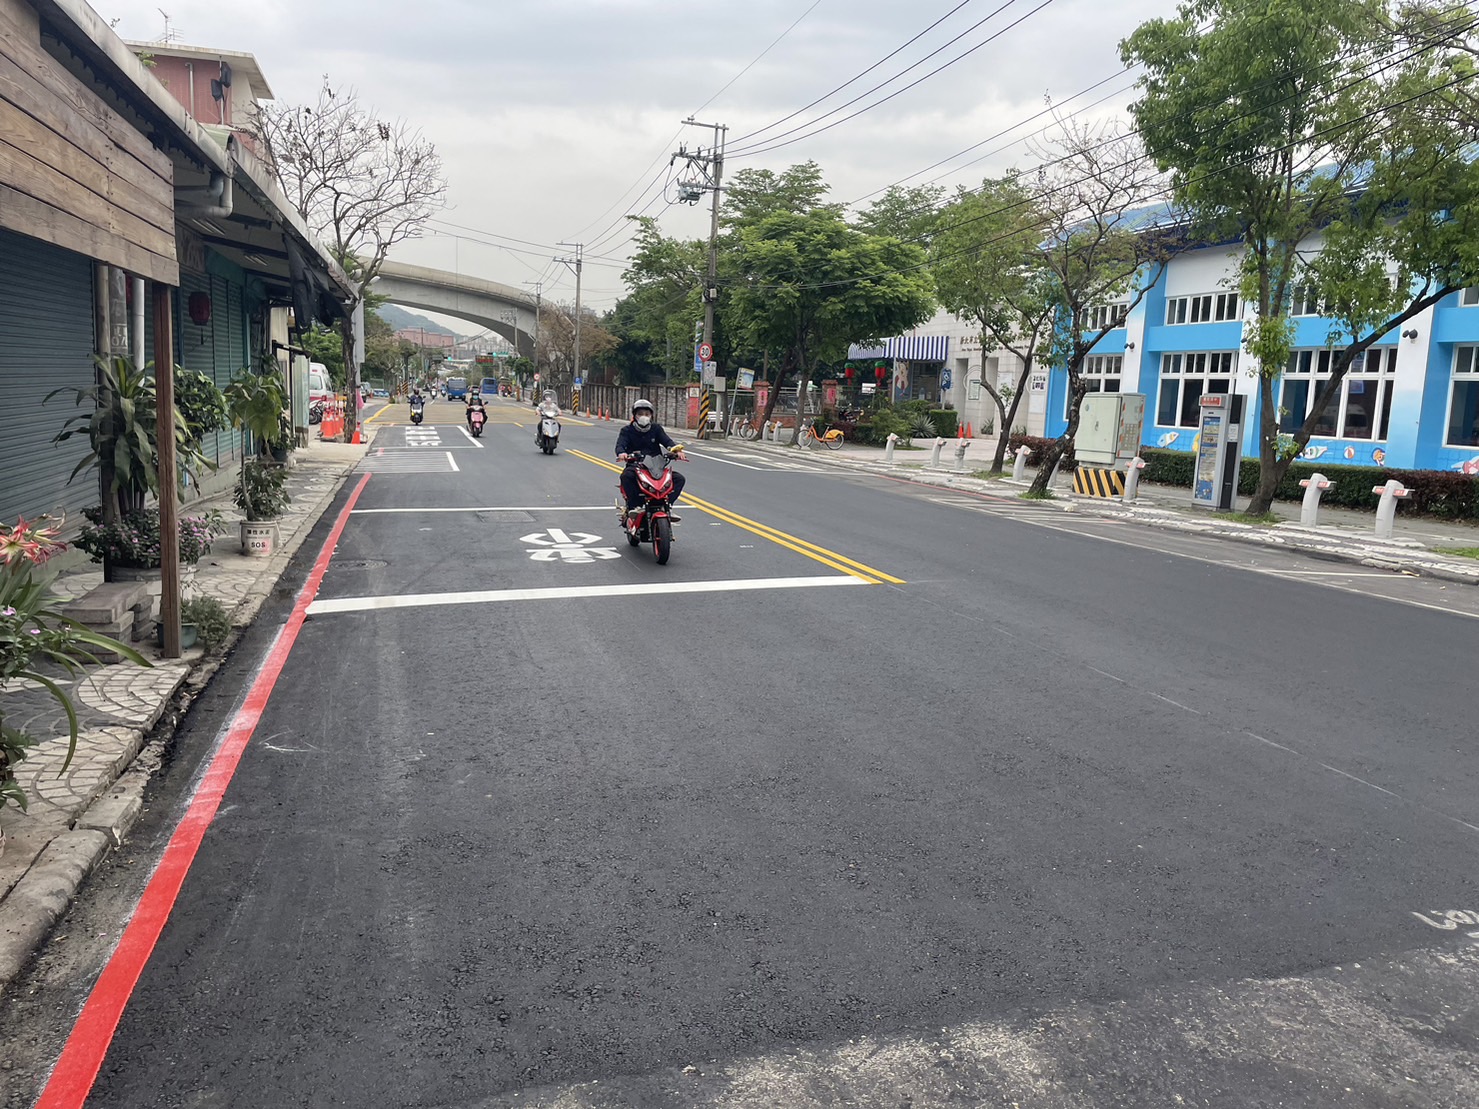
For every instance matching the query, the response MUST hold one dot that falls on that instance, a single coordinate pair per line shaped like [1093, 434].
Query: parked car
[381, 393]
[320, 390]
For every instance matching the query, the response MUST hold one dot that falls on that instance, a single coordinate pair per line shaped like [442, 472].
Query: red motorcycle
[652, 520]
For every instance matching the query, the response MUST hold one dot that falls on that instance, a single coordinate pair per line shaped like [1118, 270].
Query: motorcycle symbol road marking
[557, 545]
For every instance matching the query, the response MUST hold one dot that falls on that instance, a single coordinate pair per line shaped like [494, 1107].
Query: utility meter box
[1109, 429]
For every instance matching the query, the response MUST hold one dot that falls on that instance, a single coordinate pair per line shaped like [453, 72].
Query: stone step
[106, 603]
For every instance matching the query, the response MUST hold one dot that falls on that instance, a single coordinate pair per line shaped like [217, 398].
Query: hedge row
[1038, 445]
[1434, 493]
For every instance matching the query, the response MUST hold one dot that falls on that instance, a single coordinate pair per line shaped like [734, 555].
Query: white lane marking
[726, 461]
[1178, 704]
[557, 593]
[452, 462]
[1270, 742]
[499, 508]
[470, 438]
[1108, 675]
[1363, 781]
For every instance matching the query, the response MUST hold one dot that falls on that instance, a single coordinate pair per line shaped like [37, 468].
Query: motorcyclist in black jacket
[641, 438]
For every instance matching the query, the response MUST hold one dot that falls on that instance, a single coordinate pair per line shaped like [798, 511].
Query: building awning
[910, 348]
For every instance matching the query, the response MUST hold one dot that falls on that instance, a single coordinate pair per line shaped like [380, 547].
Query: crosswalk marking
[410, 462]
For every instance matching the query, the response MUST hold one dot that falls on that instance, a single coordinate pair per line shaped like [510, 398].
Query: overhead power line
[776, 142]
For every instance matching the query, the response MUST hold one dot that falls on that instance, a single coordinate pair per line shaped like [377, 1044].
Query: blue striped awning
[918, 348]
[912, 348]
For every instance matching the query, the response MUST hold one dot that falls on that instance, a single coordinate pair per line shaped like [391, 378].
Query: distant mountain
[399, 318]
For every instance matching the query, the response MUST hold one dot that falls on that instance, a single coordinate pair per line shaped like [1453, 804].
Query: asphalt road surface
[872, 796]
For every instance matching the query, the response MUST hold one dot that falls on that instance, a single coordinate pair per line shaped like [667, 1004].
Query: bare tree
[557, 344]
[1098, 249]
[360, 182]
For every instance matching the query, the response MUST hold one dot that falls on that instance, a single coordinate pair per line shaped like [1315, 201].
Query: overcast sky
[553, 117]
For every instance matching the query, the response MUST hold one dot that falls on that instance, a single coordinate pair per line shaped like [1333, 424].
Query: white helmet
[642, 402]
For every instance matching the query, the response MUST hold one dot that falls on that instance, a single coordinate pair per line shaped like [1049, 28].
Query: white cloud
[546, 111]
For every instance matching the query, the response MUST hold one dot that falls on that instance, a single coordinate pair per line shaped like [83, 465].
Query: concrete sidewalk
[75, 817]
[1419, 545]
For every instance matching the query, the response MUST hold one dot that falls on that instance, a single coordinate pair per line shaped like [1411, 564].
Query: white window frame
[1100, 315]
[1466, 369]
[1305, 300]
[1101, 373]
[1181, 367]
[1469, 298]
[1377, 365]
[1203, 308]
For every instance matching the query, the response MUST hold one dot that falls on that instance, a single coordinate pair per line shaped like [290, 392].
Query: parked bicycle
[831, 438]
[742, 427]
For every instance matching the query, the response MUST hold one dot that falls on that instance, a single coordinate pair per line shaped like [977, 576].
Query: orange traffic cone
[356, 438]
[968, 434]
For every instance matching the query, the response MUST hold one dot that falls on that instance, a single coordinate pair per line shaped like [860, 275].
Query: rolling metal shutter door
[46, 342]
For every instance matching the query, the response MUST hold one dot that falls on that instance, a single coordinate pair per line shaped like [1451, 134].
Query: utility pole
[709, 168]
[575, 264]
[538, 311]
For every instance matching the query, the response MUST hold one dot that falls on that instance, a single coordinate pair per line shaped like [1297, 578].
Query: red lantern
[849, 371]
[880, 372]
[199, 307]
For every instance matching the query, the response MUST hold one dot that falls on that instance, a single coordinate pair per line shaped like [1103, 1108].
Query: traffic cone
[356, 438]
[968, 434]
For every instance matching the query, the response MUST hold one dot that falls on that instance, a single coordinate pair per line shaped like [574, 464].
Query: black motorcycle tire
[662, 540]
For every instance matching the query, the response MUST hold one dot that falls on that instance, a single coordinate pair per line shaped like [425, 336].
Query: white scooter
[547, 433]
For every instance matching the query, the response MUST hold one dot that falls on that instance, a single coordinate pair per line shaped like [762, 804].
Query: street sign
[719, 383]
[579, 381]
[705, 351]
[536, 377]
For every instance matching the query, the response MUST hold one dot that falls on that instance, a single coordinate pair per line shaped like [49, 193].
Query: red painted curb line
[82, 1057]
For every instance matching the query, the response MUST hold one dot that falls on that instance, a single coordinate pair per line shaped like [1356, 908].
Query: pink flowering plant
[37, 643]
[133, 539]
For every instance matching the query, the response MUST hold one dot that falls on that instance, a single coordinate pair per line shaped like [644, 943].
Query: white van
[320, 384]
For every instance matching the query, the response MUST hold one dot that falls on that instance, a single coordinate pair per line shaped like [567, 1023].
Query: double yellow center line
[832, 559]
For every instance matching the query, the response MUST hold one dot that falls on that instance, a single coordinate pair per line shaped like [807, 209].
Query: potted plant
[262, 498]
[33, 634]
[208, 620]
[130, 544]
[256, 403]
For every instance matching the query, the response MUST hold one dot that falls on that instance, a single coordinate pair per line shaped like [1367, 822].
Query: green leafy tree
[811, 285]
[325, 346]
[987, 264]
[907, 213]
[1295, 121]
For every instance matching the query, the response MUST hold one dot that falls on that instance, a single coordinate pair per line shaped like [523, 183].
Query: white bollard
[1132, 479]
[888, 451]
[1386, 511]
[1309, 509]
[1053, 477]
[1019, 467]
[935, 457]
[770, 428]
[960, 449]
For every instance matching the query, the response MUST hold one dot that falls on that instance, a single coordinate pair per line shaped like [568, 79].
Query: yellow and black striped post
[1093, 481]
[705, 403]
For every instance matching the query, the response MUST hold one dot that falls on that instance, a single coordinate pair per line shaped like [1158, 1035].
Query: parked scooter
[651, 521]
[547, 431]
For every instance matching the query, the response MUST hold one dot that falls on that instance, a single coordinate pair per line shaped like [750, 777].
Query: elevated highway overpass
[502, 309]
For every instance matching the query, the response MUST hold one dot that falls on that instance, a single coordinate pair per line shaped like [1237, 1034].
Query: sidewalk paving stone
[75, 815]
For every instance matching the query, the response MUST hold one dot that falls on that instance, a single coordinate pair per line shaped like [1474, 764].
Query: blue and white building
[1412, 402]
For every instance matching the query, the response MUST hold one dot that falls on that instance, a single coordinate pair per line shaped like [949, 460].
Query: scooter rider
[641, 438]
[473, 401]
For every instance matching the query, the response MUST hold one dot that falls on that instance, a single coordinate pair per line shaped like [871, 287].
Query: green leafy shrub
[921, 426]
[211, 620]
[946, 421]
[259, 492]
